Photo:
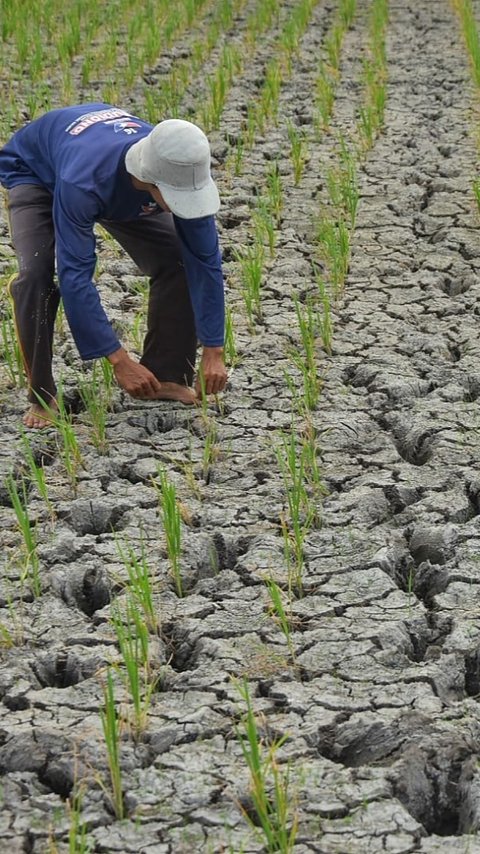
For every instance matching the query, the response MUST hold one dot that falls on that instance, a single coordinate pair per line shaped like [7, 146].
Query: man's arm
[74, 214]
[203, 268]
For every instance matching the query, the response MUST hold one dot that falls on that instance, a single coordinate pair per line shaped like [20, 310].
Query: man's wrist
[118, 356]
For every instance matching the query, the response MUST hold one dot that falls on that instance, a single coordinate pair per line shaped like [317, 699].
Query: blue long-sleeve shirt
[78, 154]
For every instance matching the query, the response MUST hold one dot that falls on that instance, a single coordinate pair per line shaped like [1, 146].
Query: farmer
[151, 188]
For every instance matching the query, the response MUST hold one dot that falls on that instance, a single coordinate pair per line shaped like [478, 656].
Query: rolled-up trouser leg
[170, 343]
[34, 293]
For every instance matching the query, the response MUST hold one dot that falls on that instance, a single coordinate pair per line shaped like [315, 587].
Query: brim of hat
[192, 204]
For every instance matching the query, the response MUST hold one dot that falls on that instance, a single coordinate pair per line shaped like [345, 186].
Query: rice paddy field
[254, 626]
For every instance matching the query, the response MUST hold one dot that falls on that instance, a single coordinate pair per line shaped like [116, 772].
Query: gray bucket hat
[175, 156]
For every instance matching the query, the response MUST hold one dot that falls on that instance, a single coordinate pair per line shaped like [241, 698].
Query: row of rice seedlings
[271, 816]
[465, 11]
[28, 529]
[151, 29]
[329, 66]
[166, 98]
[279, 68]
[371, 113]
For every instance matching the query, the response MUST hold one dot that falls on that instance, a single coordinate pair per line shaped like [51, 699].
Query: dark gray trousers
[170, 342]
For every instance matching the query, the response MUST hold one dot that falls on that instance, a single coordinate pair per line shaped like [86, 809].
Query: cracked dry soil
[381, 707]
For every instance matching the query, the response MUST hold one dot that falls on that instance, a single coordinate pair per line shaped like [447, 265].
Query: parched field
[255, 626]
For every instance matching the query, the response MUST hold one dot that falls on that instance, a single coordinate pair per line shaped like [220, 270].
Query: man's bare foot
[175, 391]
[38, 417]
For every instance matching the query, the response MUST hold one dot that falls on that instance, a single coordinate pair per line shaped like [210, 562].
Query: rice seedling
[274, 192]
[279, 611]
[333, 46]
[271, 817]
[69, 449]
[111, 732]
[298, 151]
[334, 243]
[96, 393]
[346, 12]
[466, 13]
[133, 641]
[342, 184]
[300, 511]
[270, 94]
[230, 348]
[476, 192]
[36, 472]
[28, 530]
[251, 259]
[324, 319]
[264, 225]
[10, 353]
[140, 581]
[324, 98]
[171, 519]
[78, 840]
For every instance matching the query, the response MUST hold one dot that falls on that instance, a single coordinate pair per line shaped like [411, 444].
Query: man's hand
[134, 378]
[213, 371]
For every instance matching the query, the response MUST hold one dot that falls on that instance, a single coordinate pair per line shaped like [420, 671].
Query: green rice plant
[69, 449]
[324, 319]
[274, 192]
[140, 581]
[333, 47]
[271, 91]
[466, 13]
[78, 839]
[272, 819]
[172, 526]
[36, 472]
[306, 361]
[346, 12]
[251, 260]
[10, 353]
[298, 151]
[342, 183]
[324, 98]
[278, 609]
[300, 511]
[264, 224]
[96, 393]
[476, 192]
[111, 732]
[133, 641]
[312, 470]
[28, 530]
[230, 348]
[333, 237]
